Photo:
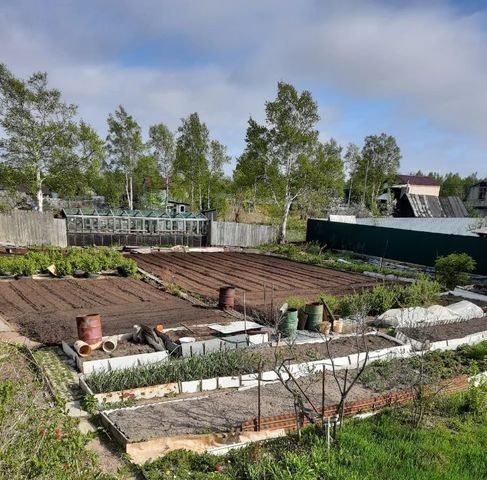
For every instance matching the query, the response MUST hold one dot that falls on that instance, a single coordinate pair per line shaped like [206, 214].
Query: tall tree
[288, 143]
[217, 158]
[161, 143]
[124, 147]
[353, 158]
[192, 155]
[38, 127]
[381, 158]
[75, 169]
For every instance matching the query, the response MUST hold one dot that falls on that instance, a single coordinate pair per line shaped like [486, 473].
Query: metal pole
[245, 314]
[258, 400]
[323, 398]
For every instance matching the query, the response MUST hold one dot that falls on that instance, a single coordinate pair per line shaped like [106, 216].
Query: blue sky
[416, 69]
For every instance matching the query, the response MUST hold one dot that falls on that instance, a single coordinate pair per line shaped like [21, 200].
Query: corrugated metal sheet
[453, 207]
[429, 206]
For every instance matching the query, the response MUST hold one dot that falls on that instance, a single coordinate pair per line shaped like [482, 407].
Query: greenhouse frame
[86, 226]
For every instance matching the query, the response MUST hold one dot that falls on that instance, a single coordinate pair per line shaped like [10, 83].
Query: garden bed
[45, 310]
[204, 273]
[435, 333]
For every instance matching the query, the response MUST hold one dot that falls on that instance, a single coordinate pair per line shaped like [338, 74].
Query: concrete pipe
[82, 348]
[109, 345]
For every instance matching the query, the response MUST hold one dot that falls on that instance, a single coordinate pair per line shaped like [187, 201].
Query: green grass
[38, 440]
[451, 445]
[313, 254]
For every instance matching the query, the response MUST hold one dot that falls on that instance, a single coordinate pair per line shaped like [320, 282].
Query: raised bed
[130, 355]
[344, 356]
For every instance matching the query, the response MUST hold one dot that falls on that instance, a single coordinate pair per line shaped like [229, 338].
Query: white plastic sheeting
[420, 316]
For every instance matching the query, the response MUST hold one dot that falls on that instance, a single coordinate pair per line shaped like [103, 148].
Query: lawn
[450, 444]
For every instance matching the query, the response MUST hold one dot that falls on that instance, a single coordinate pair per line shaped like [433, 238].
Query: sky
[413, 69]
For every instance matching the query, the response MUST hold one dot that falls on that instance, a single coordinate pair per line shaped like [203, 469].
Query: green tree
[161, 143]
[380, 162]
[124, 147]
[191, 163]
[287, 146]
[326, 182]
[76, 168]
[147, 183]
[452, 186]
[38, 128]
[217, 158]
[452, 270]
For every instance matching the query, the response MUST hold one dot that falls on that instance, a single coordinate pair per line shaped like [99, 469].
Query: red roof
[418, 180]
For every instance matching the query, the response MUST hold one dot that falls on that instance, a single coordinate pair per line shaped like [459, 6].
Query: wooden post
[258, 399]
[323, 398]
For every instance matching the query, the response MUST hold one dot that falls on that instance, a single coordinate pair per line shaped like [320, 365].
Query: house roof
[430, 206]
[418, 180]
[483, 183]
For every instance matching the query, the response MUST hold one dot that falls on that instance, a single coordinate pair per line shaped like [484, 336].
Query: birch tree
[37, 125]
[124, 147]
[161, 143]
[353, 158]
[191, 162]
[288, 143]
[217, 158]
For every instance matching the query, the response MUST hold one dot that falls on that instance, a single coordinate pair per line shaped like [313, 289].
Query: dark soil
[124, 348]
[204, 273]
[338, 347]
[45, 310]
[435, 333]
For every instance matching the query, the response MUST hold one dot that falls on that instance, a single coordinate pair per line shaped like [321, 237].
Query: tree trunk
[131, 199]
[192, 194]
[208, 204]
[350, 191]
[167, 189]
[200, 196]
[283, 229]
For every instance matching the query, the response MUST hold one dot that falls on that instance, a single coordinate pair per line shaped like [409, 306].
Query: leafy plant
[452, 270]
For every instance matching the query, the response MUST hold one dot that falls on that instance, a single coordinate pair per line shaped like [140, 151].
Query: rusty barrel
[226, 300]
[89, 328]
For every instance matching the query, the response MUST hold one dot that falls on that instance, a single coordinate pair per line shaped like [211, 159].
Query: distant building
[477, 198]
[419, 197]
[416, 185]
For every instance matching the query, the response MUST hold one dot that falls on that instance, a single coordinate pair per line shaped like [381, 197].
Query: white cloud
[223, 59]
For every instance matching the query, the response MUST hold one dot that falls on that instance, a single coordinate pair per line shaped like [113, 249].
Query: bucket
[315, 315]
[89, 328]
[338, 326]
[325, 327]
[289, 323]
[226, 300]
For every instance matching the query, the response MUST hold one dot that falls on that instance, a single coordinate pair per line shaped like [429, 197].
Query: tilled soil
[46, 310]
[222, 411]
[435, 333]
[204, 273]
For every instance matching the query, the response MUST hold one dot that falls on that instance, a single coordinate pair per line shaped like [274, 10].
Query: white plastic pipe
[82, 348]
[109, 345]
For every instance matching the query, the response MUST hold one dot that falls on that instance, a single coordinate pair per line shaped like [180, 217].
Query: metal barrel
[315, 315]
[226, 299]
[89, 328]
[289, 323]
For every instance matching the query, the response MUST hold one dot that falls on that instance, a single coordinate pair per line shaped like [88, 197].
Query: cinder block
[192, 386]
[228, 382]
[209, 384]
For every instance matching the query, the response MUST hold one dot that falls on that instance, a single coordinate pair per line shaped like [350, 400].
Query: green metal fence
[405, 245]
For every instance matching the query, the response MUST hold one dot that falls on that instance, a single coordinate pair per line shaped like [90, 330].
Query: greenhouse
[147, 222]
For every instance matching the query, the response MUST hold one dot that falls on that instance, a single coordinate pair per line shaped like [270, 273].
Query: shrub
[452, 270]
[423, 292]
[127, 267]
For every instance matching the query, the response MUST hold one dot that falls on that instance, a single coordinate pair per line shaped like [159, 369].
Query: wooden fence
[25, 228]
[230, 234]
